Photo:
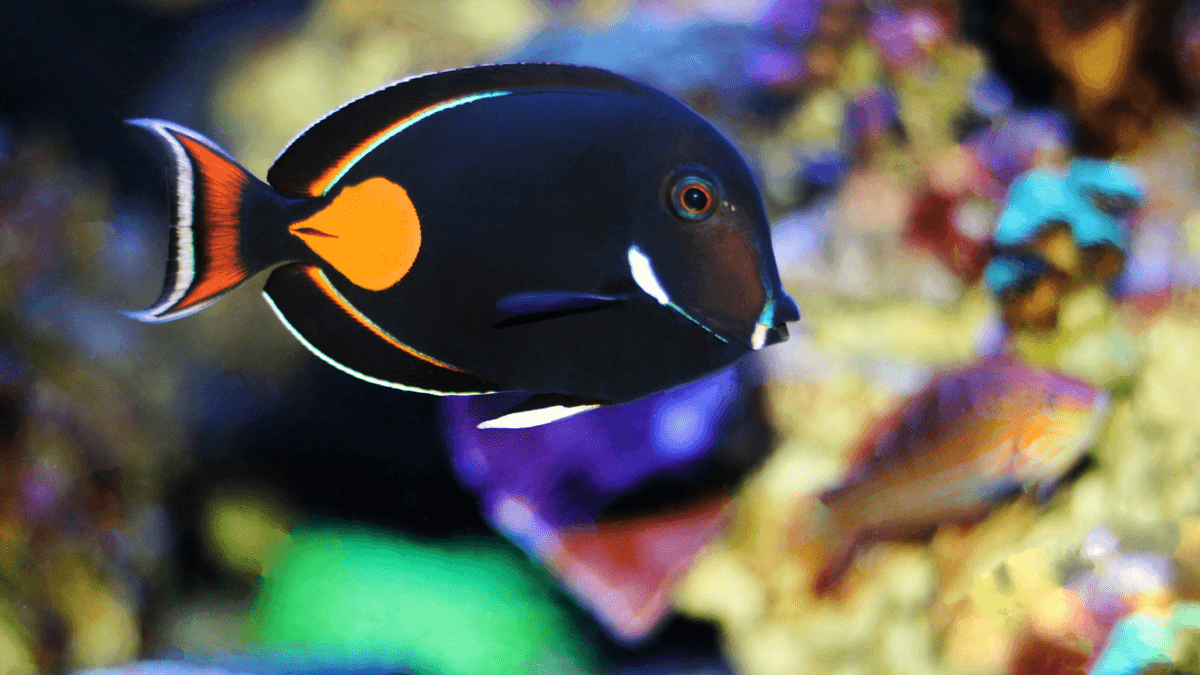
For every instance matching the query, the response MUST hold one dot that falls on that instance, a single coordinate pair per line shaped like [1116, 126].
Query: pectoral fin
[537, 306]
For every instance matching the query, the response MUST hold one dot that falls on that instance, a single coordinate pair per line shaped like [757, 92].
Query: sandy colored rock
[978, 645]
[15, 657]
[104, 628]
[720, 587]
[907, 648]
[775, 650]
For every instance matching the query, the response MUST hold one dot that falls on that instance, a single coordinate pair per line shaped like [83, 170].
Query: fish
[557, 230]
[967, 442]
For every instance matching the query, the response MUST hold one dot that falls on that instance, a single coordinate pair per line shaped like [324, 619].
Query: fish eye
[693, 198]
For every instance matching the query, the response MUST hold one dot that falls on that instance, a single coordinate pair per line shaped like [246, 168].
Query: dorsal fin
[318, 156]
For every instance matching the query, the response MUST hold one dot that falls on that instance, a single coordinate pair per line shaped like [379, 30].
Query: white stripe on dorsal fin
[313, 160]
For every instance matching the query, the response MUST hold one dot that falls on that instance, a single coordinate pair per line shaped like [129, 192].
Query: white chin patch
[533, 418]
[643, 274]
[758, 339]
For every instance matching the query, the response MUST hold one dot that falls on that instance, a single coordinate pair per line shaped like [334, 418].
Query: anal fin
[339, 334]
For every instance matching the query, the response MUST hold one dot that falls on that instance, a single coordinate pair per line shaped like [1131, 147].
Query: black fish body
[523, 227]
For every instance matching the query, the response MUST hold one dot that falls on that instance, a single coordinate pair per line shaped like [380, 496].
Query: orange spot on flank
[370, 233]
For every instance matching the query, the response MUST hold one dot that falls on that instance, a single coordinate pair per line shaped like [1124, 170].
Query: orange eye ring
[693, 198]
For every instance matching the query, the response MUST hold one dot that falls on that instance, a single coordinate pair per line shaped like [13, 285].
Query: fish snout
[771, 327]
[786, 309]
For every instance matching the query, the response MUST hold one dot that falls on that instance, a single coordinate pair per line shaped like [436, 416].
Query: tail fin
[211, 192]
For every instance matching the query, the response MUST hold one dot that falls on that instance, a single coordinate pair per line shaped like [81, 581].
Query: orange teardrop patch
[370, 233]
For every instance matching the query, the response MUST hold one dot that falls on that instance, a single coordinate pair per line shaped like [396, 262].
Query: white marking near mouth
[758, 339]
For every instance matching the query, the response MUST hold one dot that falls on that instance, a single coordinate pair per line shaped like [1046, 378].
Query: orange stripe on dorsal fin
[370, 233]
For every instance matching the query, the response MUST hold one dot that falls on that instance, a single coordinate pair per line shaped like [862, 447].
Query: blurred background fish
[970, 440]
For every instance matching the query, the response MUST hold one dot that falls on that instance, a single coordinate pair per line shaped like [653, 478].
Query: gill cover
[713, 263]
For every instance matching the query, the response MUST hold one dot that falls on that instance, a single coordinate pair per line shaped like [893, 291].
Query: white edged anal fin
[336, 332]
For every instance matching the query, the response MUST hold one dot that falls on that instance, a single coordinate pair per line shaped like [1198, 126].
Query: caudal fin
[211, 192]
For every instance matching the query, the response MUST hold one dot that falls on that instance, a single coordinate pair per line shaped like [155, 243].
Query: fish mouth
[765, 336]
[771, 326]
[765, 330]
